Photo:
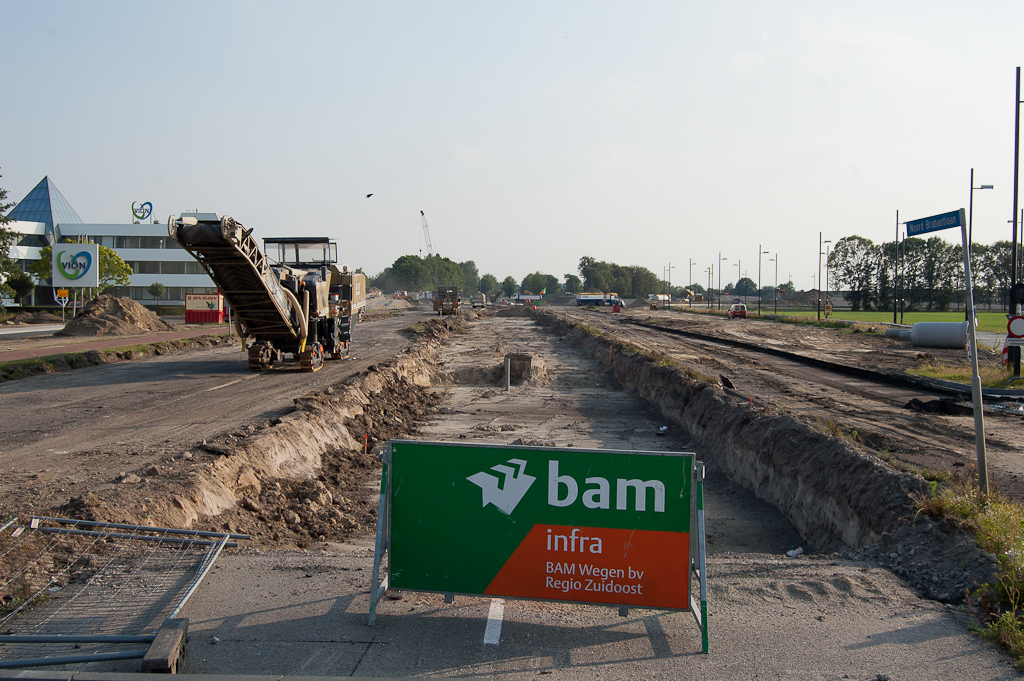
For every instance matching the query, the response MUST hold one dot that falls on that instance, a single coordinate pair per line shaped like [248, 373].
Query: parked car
[738, 310]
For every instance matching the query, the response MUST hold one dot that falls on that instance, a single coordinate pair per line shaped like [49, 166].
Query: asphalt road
[78, 429]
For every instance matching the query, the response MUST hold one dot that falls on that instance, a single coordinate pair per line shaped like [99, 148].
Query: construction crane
[426, 235]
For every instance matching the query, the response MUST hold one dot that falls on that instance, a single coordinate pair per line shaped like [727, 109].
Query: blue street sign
[936, 222]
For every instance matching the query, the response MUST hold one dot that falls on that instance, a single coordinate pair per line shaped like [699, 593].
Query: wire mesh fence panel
[103, 589]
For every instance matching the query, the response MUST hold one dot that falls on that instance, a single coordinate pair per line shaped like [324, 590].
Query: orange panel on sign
[598, 565]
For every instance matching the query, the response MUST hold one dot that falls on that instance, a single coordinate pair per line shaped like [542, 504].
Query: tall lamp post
[759, 279]
[1014, 264]
[970, 233]
[775, 293]
[690, 280]
[670, 266]
[720, 259]
[738, 277]
[826, 242]
[818, 280]
[711, 277]
[896, 269]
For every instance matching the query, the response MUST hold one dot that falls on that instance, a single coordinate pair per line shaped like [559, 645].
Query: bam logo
[564, 490]
[514, 487]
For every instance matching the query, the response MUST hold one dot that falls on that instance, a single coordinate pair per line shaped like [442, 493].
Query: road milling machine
[290, 298]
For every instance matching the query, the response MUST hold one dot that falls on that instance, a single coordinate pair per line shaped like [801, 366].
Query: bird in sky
[369, 195]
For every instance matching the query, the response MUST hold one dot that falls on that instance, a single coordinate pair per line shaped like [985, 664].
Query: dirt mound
[388, 303]
[112, 316]
[36, 318]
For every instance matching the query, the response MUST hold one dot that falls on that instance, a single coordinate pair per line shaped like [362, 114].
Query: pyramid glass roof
[45, 204]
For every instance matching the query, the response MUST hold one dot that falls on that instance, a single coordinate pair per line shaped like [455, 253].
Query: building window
[172, 267]
[147, 267]
[193, 267]
[33, 241]
[151, 242]
[126, 242]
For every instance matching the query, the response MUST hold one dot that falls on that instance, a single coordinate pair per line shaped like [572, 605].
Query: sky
[530, 134]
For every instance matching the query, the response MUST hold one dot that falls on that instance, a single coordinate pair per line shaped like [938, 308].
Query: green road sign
[590, 526]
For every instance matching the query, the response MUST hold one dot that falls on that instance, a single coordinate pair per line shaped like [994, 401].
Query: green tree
[22, 286]
[470, 282]
[113, 270]
[8, 268]
[573, 284]
[489, 284]
[508, 286]
[538, 281]
[853, 264]
[745, 287]
[642, 282]
[157, 290]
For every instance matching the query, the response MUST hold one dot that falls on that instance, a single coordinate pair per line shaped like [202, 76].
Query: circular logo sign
[143, 211]
[1015, 327]
[75, 266]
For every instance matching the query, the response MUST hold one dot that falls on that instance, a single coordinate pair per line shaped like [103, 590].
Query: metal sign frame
[483, 534]
[75, 266]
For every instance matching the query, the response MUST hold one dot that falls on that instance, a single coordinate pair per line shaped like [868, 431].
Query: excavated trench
[835, 495]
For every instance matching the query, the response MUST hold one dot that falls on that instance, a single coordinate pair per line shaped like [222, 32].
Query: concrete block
[168, 654]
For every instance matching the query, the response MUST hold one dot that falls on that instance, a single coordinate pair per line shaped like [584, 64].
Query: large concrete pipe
[939, 335]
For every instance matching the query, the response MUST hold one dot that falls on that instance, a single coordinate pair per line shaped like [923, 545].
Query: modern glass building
[45, 217]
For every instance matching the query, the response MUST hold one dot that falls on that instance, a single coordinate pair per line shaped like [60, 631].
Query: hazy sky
[530, 133]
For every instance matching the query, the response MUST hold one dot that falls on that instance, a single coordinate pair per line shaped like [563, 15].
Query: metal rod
[169, 530]
[199, 578]
[73, 659]
[74, 638]
[9, 523]
[118, 535]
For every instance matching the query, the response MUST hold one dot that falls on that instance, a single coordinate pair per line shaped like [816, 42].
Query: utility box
[204, 308]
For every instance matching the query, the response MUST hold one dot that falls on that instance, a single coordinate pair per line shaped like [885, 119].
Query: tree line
[415, 273]
[930, 273]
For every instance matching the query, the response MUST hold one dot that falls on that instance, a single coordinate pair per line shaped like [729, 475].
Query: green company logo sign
[74, 266]
[553, 524]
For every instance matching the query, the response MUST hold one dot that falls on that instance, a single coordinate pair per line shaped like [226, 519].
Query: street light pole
[759, 279]
[711, 277]
[670, 280]
[720, 259]
[896, 268]
[970, 236]
[827, 301]
[775, 293]
[818, 296]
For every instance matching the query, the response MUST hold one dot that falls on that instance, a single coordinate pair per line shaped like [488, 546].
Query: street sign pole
[933, 224]
[979, 418]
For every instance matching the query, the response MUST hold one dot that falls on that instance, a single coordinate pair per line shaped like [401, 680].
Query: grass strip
[998, 527]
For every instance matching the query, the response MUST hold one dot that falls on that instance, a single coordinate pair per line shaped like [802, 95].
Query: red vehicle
[739, 310]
